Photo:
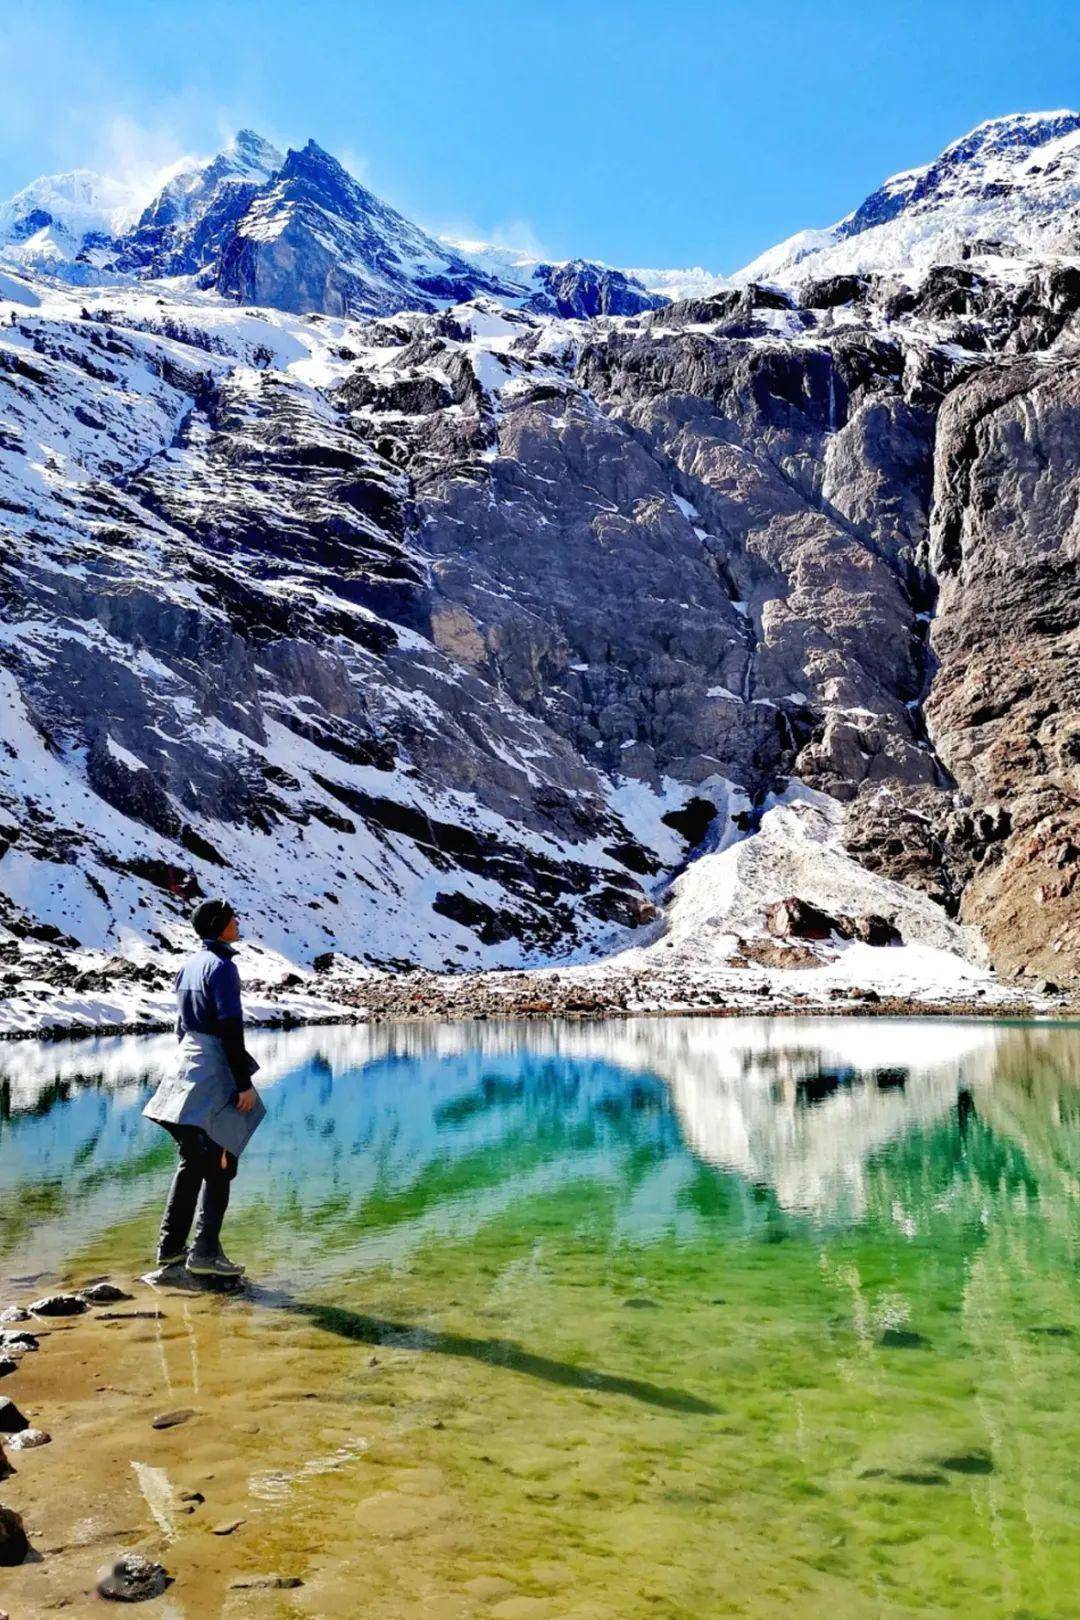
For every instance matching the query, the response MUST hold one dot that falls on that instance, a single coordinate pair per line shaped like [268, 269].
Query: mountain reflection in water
[414, 1124]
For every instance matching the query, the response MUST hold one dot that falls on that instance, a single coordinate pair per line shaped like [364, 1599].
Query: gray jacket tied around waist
[202, 1091]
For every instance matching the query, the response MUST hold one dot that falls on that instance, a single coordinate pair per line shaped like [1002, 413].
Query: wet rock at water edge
[13, 1543]
[28, 1439]
[11, 1419]
[132, 1579]
[58, 1305]
[17, 1342]
[14, 1313]
[103, 1293]
[169, 1420]
[8, 1364]
[272, 1583]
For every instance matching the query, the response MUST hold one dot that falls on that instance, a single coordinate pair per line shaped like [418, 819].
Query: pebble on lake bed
[103, 1293]
[58, 1305]
[169, 1420]
[27, 1439]
[17, 1342]
[13, 1543]
[132, 1579]
[227, 1527]
[274, 1583]
[14, 1313]
[11, 1419]
[8, 1364]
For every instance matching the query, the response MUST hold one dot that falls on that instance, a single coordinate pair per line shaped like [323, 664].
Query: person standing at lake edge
[209, 1106]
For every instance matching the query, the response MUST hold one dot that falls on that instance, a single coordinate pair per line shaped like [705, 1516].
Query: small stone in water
[58, 1305]
[8, 1364]
[132, 1579]
[14, 1313]
[11, 1419]
[226, 1527]
[274, 1583]
[192, 1496]
[169, 1420]
[19, 1340]
[13, 1543]
[104, 1293]
[26, 1439]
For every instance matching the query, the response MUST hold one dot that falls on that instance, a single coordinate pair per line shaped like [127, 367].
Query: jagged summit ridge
[292, 231]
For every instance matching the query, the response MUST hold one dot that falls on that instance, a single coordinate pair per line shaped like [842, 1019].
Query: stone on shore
[14, 1313]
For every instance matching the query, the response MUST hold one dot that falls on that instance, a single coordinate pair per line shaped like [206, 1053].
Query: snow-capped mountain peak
[46, 224]
[1010, 183]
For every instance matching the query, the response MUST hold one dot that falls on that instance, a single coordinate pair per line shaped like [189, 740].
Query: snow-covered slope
[440, 608]
[1009, 185]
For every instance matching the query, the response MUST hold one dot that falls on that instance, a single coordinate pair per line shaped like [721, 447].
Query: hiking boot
[171, 1257]
[213, 1265]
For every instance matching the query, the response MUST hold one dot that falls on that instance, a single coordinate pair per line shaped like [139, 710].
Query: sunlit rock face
[441, 607]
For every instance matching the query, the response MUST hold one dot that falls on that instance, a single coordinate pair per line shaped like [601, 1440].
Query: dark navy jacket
[208, 1003]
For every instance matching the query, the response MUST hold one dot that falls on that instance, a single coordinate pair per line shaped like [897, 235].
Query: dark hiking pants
[199, 1193]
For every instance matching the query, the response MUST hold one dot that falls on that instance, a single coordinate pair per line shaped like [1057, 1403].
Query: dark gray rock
[12, 1420]
[14, 1545]
[103, 1293]
[170, 1420]
[133, 1578]
[58, 1305]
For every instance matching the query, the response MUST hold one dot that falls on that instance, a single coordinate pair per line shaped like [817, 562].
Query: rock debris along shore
[130, 1575]
[455, 614]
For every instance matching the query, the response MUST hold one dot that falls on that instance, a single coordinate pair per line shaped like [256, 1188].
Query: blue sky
[640, 133]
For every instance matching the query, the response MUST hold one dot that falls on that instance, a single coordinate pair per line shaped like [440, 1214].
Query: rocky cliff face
[447, 636]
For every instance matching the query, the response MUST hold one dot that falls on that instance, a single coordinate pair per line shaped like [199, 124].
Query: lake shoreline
[402, 1008]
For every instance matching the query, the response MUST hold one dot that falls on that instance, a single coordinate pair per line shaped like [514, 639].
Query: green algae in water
[726, 1318]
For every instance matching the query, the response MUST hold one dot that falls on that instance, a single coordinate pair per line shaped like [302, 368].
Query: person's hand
[246, 1100]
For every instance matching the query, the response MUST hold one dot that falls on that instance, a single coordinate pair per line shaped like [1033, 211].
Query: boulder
[798, 919]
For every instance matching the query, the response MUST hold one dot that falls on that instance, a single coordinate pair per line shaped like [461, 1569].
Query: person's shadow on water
[362, 1329]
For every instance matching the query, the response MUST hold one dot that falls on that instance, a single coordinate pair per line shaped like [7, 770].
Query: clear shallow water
[748, 1317]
